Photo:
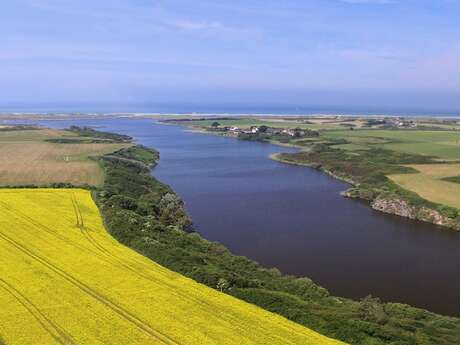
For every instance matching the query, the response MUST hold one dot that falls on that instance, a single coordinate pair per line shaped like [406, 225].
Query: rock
[402, 208]
[395, 206]
[358, 193]
[433, 216]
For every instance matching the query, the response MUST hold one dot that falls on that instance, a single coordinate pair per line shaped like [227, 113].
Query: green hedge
[149, 217]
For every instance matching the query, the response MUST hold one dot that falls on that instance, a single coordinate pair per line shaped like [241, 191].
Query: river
[293, 218]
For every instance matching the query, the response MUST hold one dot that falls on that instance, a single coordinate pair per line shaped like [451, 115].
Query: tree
[371, 309]
[298, 132]
[222, 284]
[215, 124]
[263, 129]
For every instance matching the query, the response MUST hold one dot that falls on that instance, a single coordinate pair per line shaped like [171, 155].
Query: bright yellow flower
[65, 280]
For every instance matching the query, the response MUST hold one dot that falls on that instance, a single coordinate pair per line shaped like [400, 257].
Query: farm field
[74, 284]
[27, 157]
[317, 124]
[442, 144]
[429, 183]
[453, 126]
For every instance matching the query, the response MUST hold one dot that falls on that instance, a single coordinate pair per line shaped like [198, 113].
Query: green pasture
[277, 123]
[441, 144]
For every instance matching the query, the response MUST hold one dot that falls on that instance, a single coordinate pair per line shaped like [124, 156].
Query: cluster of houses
[253, 130]
[392, 122]
[404, 123]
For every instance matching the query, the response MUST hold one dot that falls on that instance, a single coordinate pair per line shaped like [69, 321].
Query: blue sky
[388, 53]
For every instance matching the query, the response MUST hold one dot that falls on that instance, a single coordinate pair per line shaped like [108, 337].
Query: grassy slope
[434, 182]
[369, 171]
[442, 144]
[428, 180]
[73, 283]
[30, 157]
[248, 122]
[131, 193]
[438, 191]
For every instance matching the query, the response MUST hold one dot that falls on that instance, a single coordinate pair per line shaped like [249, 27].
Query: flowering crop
[65, 280]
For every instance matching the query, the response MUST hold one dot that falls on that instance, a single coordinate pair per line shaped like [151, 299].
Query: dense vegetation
[455, 179]
[77, 141]
[92, 133]
[368, 171]
[149, 217]
[373, 155]
[17, 128]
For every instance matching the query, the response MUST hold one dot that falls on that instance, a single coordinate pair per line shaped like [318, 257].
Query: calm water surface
[293, 218]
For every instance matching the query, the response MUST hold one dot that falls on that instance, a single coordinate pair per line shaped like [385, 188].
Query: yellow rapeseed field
[65, 280]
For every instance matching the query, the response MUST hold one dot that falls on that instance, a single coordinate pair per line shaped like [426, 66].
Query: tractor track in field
[84, 230]
[80, 223]
[118, 309]
[42, 227]
[59, 334]
[112, 259]
[87, 235]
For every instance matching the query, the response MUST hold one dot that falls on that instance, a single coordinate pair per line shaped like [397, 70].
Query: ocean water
[227, 109]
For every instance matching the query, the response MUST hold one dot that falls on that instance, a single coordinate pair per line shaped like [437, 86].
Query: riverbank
[157, 226]
[277, 157]
[336, 152]
[370, 183]
[315, 233]
[386, 203]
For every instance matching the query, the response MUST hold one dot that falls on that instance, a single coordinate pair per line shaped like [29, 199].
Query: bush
[148, 216]
[448, 211]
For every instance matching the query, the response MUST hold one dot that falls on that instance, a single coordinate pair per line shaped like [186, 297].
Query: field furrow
[72, 283]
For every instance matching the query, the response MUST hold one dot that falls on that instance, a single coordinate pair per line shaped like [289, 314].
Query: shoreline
[55, 115]
[312, 305]
[393, 206]
[275, 157]
[398, 207]
[147, 215]
[389, 206]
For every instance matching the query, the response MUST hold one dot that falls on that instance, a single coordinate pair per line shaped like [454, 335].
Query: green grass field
[450, 126]
[277, 123]
[442, 144]
[65, 280]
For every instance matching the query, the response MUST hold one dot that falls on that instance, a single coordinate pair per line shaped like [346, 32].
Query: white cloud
[149, 17]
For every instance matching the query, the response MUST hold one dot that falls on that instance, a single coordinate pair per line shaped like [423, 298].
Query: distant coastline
[55, 115]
